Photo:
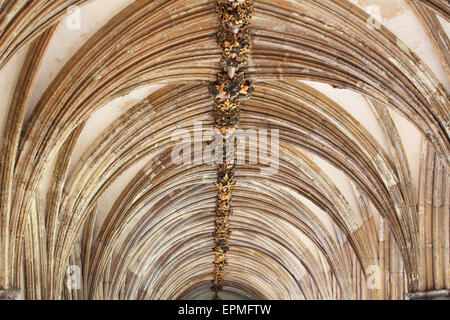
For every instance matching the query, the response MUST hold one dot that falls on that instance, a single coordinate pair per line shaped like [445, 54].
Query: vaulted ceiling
[92, 207]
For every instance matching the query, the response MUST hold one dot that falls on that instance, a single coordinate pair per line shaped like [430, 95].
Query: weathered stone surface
[349, 214]
[9, 294]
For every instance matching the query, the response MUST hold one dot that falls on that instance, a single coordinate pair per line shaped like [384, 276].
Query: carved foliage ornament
[234, 14]
[231, 88]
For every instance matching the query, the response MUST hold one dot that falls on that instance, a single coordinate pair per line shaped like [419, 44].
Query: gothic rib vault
[296, 234]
